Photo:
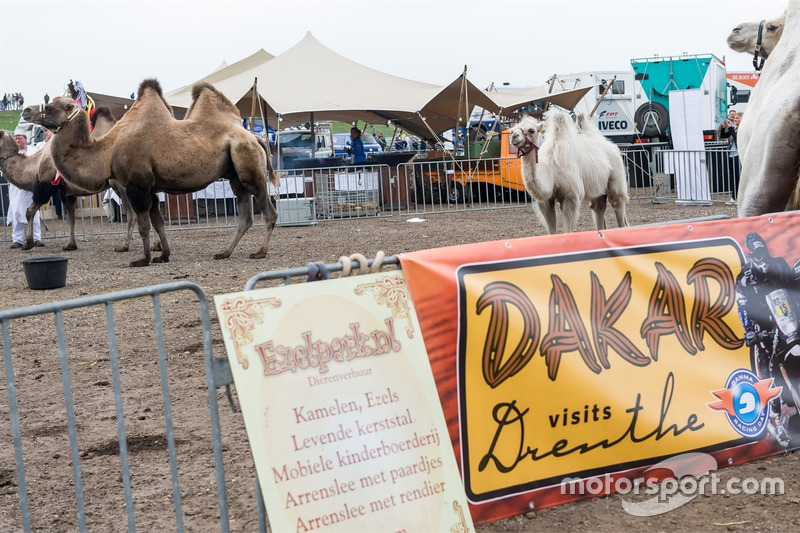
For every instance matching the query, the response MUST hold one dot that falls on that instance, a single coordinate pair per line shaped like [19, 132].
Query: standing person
[46, 98]
[729, 131]
[381, 140]
[78, 93]
[19, 200]
[356, 149]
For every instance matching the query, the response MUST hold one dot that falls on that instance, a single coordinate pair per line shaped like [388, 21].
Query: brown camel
[35, 173]
[184, 156]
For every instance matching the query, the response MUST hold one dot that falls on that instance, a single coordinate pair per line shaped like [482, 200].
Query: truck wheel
[458, 194]
[652, 119]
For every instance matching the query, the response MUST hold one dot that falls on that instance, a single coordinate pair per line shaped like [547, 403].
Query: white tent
[183, 97]
[310, 82]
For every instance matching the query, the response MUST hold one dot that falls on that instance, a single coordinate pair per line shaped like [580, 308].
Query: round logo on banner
[749, 414]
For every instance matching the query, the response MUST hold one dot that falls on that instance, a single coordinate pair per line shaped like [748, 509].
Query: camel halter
[527, 147]
[72, 115]
[759, 51]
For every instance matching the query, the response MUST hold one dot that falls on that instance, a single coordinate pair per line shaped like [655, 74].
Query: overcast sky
[112, 45]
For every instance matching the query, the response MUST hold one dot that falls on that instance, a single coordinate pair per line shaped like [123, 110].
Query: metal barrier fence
[409, 188]
[143, 415]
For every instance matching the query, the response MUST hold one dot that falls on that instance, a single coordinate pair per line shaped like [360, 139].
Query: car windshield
[341, 139]
[296, 139]
[367, 138]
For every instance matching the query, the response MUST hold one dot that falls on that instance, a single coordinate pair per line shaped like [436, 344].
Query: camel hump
[102, 112]
[199, 87]
[149, 83]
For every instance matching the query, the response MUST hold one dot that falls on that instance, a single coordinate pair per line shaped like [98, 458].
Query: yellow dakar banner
[593, 362]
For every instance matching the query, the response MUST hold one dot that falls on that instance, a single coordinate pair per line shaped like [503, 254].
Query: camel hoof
[258, 255]
[222, 255]
[161, 259]
[121, 248]
[27, 246]
[140, 263]
[70, 247]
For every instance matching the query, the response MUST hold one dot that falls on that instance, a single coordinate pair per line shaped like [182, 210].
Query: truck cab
[613, 113]
[491, 170]
[302, 143]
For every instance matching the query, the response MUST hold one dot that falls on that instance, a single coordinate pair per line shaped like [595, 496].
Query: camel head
[757, 38]
[54, 115]
[525, 135]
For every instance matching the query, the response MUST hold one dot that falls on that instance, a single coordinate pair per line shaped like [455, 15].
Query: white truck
[613, 115]
[636, 107]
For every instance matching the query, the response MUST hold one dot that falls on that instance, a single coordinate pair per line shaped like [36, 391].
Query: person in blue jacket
[356, 148]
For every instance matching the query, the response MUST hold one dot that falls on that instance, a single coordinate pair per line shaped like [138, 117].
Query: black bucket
[45, 272]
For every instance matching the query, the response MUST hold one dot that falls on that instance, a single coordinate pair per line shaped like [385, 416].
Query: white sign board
[688, 160]
[341, 409]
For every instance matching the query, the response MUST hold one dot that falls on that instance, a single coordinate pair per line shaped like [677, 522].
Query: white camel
[617, 189]
[757, 38]
[568, 168]
[768, 133]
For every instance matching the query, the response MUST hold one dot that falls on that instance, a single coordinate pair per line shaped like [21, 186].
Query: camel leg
[622, 217]
[69, 202]
[158, 224]
[29, 214]
[129, 213]
[129, 225]
[245, 219]
[141, 202]
[42, 192]
[548, 211]
[125, 246]
[598, 207]
[270, 217]
[571, 207]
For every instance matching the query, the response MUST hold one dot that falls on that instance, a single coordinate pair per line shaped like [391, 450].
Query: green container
[475, 148]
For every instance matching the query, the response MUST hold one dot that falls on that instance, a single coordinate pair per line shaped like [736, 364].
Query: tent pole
[313, 137]
[550, 90]
[253, 104]
[278, 140]
[394, 136]
[602, 96]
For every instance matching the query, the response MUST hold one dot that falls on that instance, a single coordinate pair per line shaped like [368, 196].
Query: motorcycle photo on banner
[768, 298]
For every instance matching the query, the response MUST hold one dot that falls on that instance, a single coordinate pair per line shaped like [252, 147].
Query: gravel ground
[95, 268]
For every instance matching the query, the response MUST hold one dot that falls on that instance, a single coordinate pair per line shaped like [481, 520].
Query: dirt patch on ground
[96, 269]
